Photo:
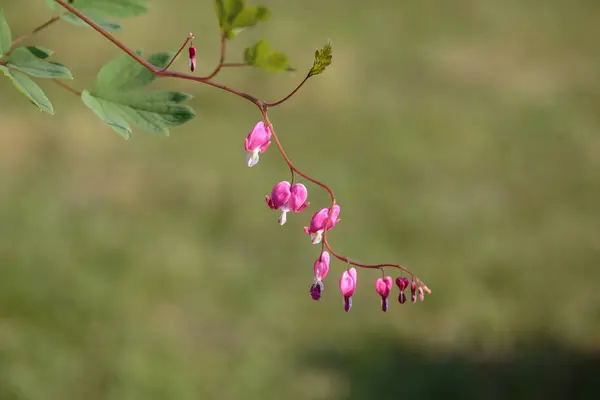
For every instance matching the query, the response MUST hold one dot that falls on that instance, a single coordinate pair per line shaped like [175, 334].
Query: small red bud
[192, 51]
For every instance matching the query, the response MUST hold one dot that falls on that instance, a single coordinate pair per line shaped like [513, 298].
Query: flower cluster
[286, 197]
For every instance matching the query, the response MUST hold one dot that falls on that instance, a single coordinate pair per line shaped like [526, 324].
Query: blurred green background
[461, 138]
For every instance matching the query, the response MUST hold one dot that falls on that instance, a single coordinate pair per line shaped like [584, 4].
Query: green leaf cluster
[20, 63]
[260, 55]
[117, 99]
[234, 16]
[101, 11]
[322, 60]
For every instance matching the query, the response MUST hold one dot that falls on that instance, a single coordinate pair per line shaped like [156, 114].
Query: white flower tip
[282, 218]
[252, 158]
[316, 237]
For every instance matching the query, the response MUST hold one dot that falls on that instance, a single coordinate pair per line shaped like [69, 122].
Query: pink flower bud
[317, 223]
[257, 141]
[383, 287]
[321, 268]
[421, 294]
[286, 197]
[347, 287]
[192, 51]
[413, 291]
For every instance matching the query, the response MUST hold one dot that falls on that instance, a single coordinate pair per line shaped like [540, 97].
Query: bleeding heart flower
[287, 197]
[321, 268]
[383, 286]
[402, 285]
[257, 141]
[317, 223]
[347, 286]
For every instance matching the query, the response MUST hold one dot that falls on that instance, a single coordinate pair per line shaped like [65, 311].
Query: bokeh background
[461, 138]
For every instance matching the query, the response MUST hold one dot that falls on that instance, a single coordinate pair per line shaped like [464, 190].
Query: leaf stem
[226, 65]
[67, 87]
[46, 24]
[187, 40]
[289, 95]
[221, 58]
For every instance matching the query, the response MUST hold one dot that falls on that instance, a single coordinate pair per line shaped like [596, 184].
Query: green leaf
[40, 52]
[322, 60]
[24, 60]
[29, 89]
[107, 25]
[5, 35]
[115, 98]
[234, 16]
[107, 111]
[107, 8]
[260, 55]
[248, 17]
[227, 10]
[124, 73]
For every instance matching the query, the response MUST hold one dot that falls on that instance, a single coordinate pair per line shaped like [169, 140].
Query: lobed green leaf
[124, 73]
[29, 89]
[116, 100]
[23, 59]
[227, 11]
[234, 16]
[322, 60]
[5, 35]
[260, 55]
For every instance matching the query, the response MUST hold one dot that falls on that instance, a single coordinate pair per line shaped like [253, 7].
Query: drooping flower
[257, 141]
[383, 286]
[287, 197]
[317, 223]
[402, 285]
[347, 286]
[413, 291]
[321, 268]
[192, 52]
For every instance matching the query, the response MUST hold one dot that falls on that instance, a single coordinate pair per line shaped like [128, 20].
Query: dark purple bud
[347, 303]
[402, 298]
[384, 304]
[315, 291]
